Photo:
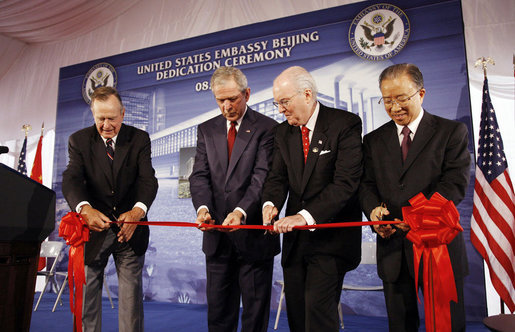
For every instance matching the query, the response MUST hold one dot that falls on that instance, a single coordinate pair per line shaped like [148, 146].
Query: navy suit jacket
[111, 190]
[438, 161]
[326, 186]
[223, 185]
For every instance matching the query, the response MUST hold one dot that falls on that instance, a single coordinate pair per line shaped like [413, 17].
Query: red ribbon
[75, 231]
[262, 227]
[434, 224]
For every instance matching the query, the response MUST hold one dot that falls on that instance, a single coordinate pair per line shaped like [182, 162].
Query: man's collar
[105, 139]
[238, 122]
[313, 118]
[413, 125]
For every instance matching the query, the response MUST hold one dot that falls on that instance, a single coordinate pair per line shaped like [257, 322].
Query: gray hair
[103, 93]
[302, 79]
[223, 74]
[397, 70]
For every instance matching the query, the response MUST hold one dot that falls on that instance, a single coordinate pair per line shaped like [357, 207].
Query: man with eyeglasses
[317, 165]
[415, 152]
[234, 150]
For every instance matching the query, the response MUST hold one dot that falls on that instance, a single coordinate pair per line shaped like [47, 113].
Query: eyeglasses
[285, 102]
[400, 101]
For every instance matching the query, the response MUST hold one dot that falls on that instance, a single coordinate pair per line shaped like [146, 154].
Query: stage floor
[162, 316]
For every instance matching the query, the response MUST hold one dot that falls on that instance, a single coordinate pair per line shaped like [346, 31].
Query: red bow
[75, 231]
[434, 224]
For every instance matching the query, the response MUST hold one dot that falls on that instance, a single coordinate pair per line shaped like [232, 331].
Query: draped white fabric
[37, 37]
[29, 72]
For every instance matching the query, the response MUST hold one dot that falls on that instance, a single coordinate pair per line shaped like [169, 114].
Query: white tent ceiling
[24, 22]
[37, 37]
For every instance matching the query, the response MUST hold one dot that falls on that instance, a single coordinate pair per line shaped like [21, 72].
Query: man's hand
[385, 231]
[203, 216]
[286, 224]
[402, 226]
[233, 219]
[96, 220]
[127, 230]
[269, 213]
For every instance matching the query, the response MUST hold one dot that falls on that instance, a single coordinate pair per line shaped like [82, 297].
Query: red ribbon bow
[75, 231]
[434, 223]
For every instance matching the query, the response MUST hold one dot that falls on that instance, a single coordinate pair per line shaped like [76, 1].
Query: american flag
[22, 166]
[493, 216]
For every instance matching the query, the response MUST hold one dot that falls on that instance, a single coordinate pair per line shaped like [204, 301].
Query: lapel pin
[315, 150]
[247, 131]
[319, 141]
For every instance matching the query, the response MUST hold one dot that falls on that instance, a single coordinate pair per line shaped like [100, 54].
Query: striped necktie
[110, 150]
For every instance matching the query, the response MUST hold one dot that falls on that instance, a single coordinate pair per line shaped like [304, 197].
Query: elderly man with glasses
[317, 164]
[415, 152]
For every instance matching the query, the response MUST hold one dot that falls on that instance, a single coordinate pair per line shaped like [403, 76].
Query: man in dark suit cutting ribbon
[416, 152]
[110, 177]
[317, 162]
[232, 159]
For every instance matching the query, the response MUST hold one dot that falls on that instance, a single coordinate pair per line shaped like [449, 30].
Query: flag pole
[484, 62]
[26, 128]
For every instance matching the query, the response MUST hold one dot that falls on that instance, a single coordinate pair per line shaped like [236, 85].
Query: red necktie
[406, 142]
[231, 137]
[110, 150]
[305, 142]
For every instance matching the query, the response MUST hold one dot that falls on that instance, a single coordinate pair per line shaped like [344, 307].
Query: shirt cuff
[202, 207]
[142, 206]
[79, 206]
[308, 217]
[242, 212]
[267, 203]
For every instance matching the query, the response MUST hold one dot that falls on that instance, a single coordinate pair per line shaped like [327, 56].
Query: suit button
[401, 186]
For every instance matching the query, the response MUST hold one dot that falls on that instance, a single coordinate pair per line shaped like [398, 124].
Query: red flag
[493, 215]
[37, 175]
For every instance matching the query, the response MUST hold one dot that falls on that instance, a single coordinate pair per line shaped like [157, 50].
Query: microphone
[4, 149]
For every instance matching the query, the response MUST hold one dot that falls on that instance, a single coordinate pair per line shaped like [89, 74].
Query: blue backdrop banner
[166, 92]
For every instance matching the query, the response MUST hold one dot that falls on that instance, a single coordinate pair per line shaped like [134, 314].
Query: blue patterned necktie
[110, 150]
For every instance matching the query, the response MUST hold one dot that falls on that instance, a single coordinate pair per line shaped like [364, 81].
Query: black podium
[27, 216]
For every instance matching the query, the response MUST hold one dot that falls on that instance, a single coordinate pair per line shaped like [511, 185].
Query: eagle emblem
[101, 74]
[379, 32]
[100, 80]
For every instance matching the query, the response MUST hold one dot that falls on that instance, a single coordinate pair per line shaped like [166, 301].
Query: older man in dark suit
[233, 156]
[317, 162]
[110, 177]
[415, 152]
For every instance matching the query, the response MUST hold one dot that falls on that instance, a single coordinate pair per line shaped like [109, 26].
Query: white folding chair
[63, 285]
[49, 249]
[368, 256]
[280, 282]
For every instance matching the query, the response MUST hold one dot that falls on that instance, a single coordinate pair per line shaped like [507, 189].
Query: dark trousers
[129, 268]
[229, 276]
[312, 286]
[401, 302]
